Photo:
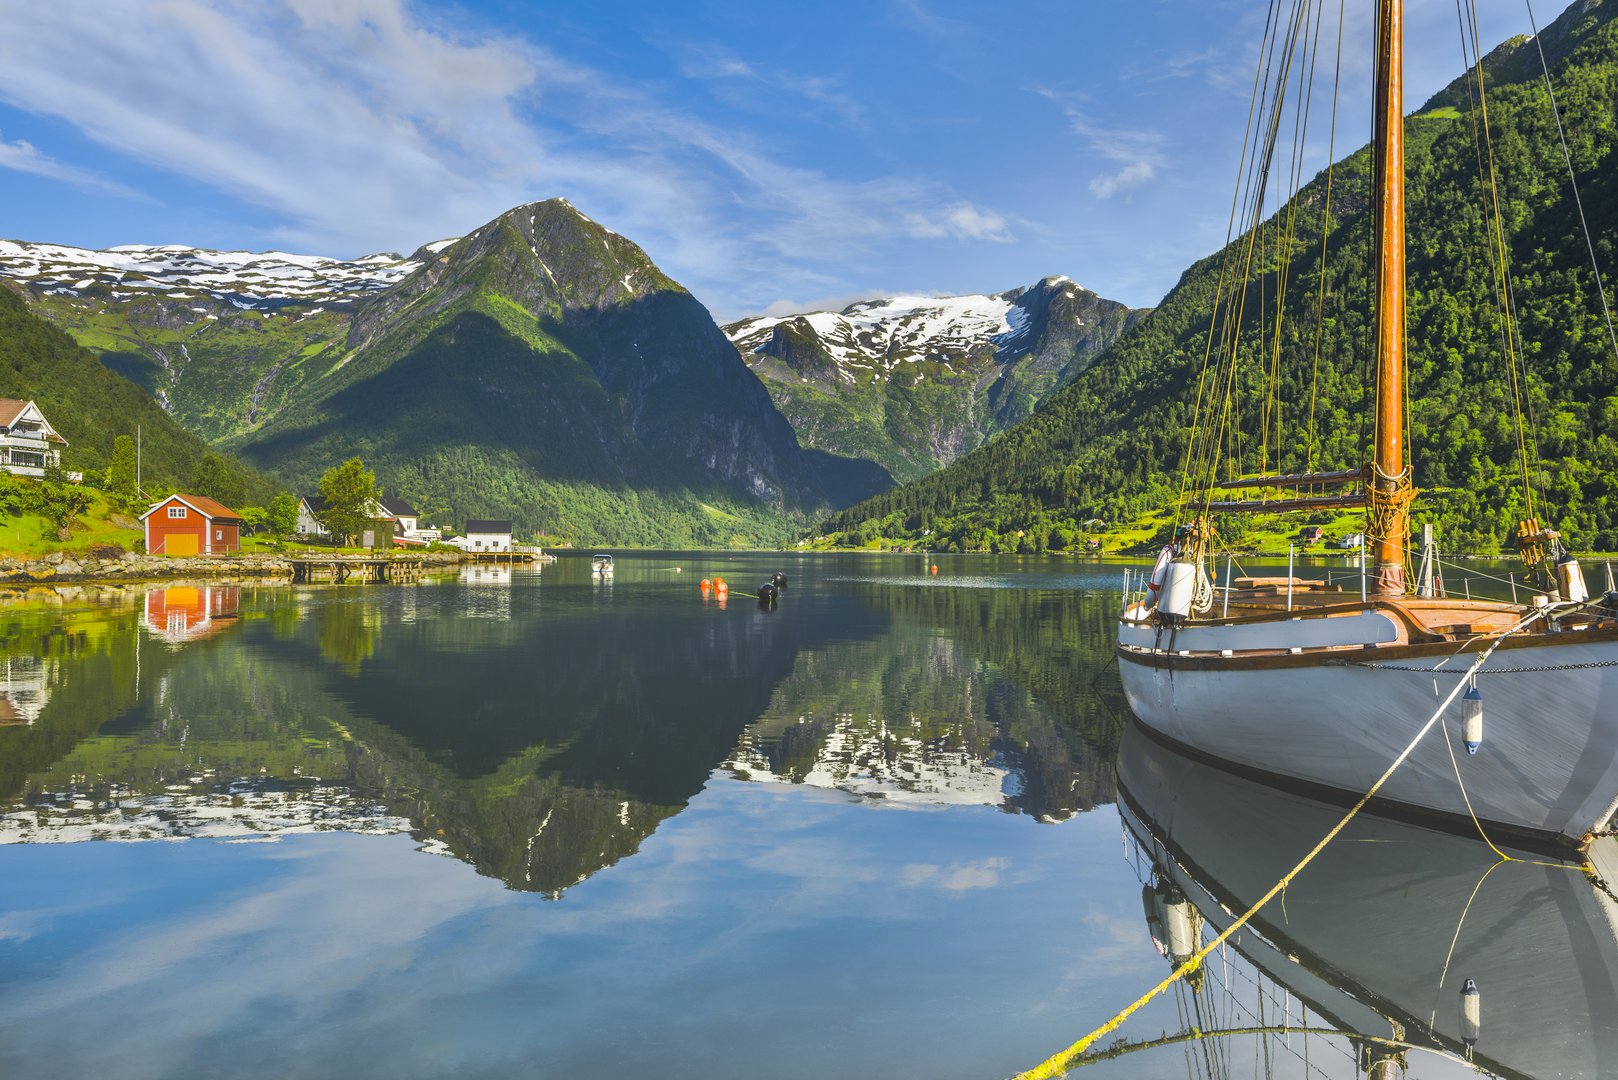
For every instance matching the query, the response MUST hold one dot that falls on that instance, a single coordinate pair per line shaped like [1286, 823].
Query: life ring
[1161, 568]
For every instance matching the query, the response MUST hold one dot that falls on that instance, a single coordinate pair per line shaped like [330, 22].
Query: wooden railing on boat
[1321, 501]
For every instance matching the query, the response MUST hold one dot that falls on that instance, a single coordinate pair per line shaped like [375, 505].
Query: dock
[517, 553]
[358, 569]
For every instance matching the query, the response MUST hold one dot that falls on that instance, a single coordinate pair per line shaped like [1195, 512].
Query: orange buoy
[935, 568]
[719, 585]
[704, 584]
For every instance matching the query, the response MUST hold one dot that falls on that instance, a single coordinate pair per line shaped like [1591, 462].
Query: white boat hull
[1547, 768]
[1388, 924]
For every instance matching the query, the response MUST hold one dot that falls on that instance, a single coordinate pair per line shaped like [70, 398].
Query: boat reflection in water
[1413, 943]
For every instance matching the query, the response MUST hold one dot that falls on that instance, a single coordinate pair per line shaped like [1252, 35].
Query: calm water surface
[532, 823]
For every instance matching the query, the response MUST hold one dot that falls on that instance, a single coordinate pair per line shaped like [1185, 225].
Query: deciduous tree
[348, 490]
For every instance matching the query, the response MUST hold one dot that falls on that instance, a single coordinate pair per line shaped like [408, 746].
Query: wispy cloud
[367, 125]
[721, 69]
[1137, 153]
[961, 222]
[920, 16]
[23, 156]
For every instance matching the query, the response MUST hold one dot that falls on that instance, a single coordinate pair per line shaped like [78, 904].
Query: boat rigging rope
[1572, 178]
[1528, 453]
[1325, 235]
[1059, 1063]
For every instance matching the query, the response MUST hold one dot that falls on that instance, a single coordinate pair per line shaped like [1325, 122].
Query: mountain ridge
[914, 382]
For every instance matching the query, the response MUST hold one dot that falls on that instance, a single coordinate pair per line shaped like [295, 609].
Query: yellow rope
[1449, 744]
[1060, 1062]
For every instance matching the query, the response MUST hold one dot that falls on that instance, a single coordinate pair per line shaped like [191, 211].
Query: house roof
[397, 507]
[390, 507]
[11, 408]
[203, 505]
[487, 525]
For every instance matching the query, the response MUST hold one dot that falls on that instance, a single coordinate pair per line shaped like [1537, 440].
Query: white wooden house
[28, 443]
[400, 514]
[487, 534]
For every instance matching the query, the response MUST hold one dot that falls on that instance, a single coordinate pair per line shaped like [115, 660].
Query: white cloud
[1132, 175]
[962, 221]
[365, 125]
[1137, 151]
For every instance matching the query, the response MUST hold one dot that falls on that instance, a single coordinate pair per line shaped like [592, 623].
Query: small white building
[28, 443]
[487, 534]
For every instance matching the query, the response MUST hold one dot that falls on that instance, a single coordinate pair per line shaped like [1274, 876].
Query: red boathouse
[191, 525]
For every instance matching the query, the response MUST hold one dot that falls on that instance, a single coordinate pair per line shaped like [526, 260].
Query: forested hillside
[1112, 443]
[91, 406]
[542, 368]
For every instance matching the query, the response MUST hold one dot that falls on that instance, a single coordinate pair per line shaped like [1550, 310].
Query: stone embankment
[128, 566]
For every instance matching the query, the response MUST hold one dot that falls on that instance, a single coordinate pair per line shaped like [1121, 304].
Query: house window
[219, 534]
[176, 511]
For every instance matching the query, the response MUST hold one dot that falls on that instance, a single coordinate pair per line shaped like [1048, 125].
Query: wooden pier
[360, 570]
[517, 553]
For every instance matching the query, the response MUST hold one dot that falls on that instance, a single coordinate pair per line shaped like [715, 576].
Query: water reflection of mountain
[975, 696]
[541, 734]
[1383, 931]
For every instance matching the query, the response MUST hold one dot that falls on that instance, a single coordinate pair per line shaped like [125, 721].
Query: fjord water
[527, 822]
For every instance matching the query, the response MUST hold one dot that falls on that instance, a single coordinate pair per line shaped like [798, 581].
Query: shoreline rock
[81, 566]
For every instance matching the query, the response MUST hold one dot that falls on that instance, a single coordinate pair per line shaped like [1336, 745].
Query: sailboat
[1320, 687]
[1408, 941]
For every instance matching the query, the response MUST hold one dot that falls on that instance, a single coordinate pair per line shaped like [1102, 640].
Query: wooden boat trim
[1358, 655]
[1281, 506]
[1278, 480]
[1400, 610]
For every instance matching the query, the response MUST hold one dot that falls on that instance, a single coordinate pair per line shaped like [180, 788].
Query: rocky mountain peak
[543, 256]
[912, 382]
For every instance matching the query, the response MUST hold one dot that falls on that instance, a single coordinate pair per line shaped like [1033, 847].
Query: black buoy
[766, 595]
[779, 581]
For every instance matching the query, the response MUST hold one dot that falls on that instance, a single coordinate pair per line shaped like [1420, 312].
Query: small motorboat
[601, 565]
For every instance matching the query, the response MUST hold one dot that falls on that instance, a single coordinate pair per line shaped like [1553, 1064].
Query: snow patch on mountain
[879, 335]
[244, 279]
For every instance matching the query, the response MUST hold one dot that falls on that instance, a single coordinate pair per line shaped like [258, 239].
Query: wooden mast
[1389, 488]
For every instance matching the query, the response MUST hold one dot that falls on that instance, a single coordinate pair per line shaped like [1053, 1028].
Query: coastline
[73, 567]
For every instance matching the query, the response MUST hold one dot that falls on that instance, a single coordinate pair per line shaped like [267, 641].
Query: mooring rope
[1059, 1063]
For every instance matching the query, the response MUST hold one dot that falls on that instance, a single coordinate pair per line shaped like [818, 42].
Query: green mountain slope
[540, 368]
[1111, 443]
[913, 383]
[543, 369]
[91, 406]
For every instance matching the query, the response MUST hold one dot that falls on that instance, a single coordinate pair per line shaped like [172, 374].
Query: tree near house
[348, 490]
[217, 479]
[62, 504]
[121, 471]
[281, 515]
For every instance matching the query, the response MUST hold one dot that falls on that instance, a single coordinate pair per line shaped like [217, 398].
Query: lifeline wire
[1062, 1060]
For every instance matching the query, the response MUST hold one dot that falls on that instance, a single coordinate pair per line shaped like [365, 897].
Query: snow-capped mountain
[243, 279]
[877, 335]
[912, 382]
[296, 361]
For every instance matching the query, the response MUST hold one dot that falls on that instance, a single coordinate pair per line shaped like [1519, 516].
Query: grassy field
[32, 535]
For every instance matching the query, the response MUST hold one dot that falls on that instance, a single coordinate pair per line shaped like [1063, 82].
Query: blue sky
[770, 156]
